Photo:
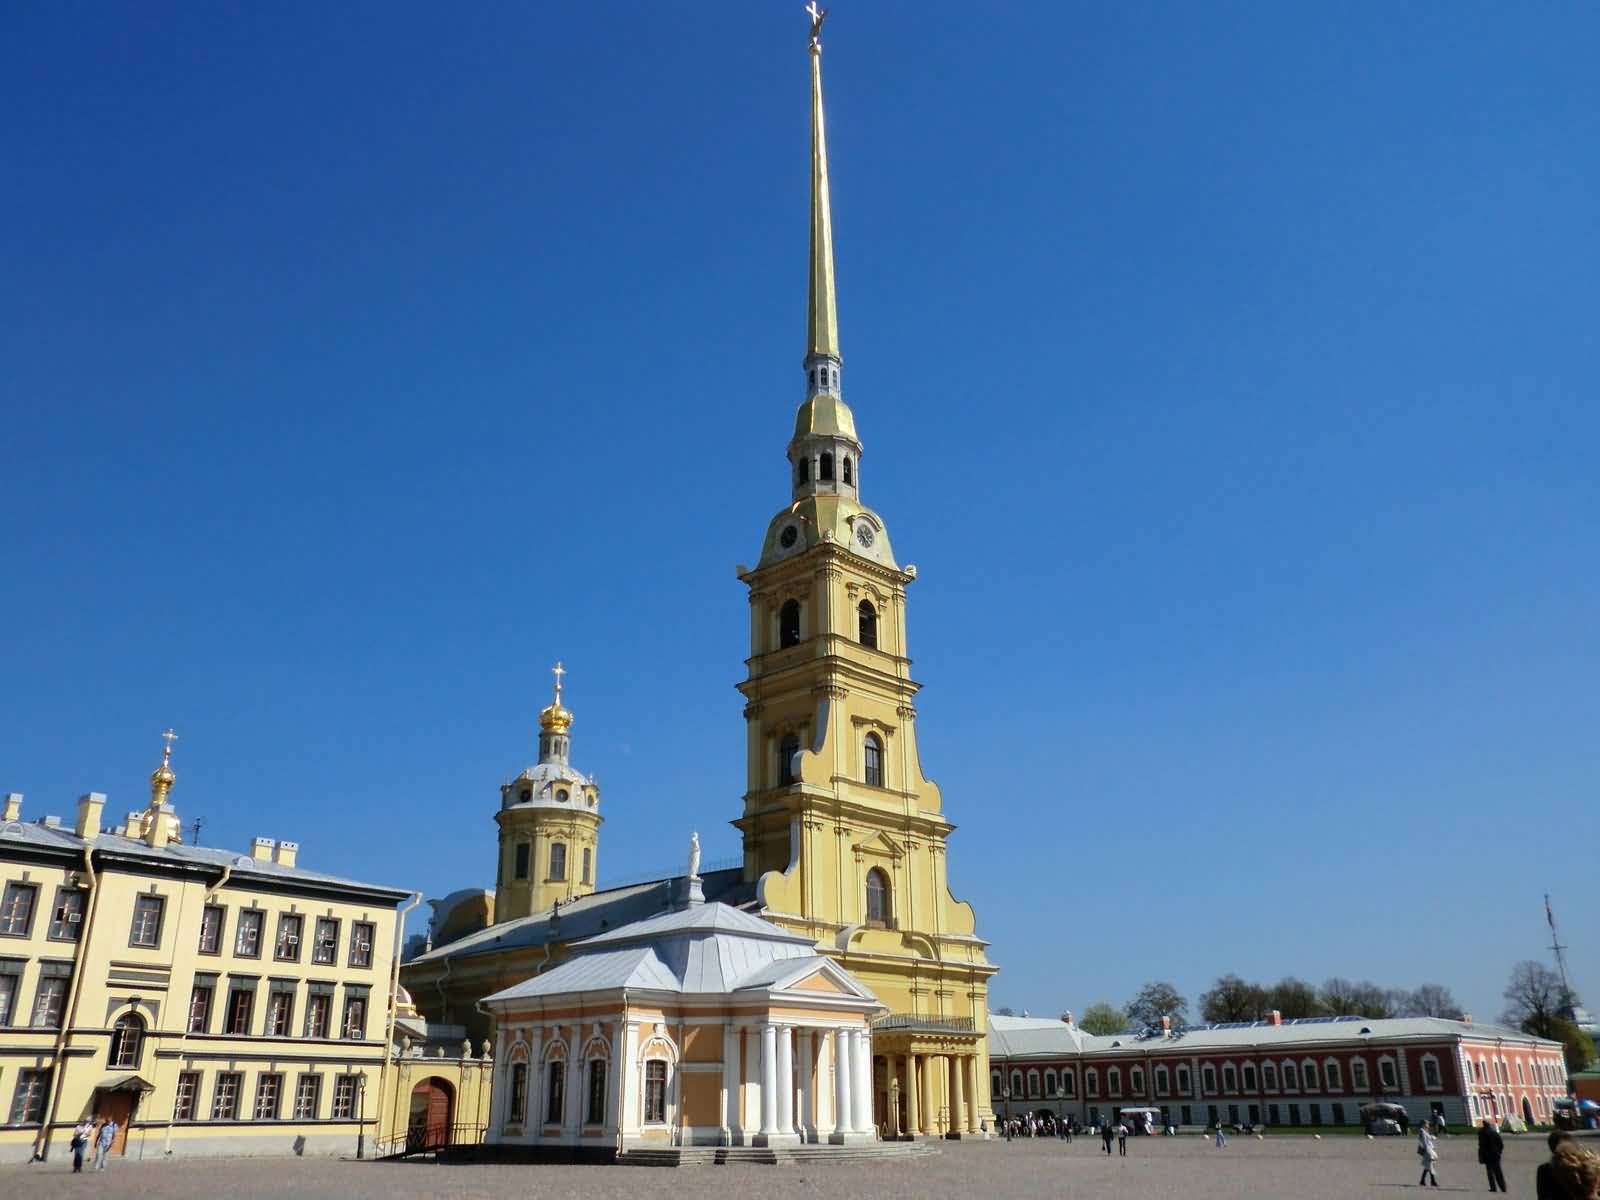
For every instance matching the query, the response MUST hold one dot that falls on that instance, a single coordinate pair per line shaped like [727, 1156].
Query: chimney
[90, 806]
[1275, 1017]
[158, 828]
[261, 849]
[285, 853]
[1066, 1017]
[1466, 1018]
[135, 826]
[1166, 1025]
[13, 809]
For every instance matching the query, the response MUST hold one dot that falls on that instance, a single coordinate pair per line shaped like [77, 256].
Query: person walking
[1122, 1140]
[1106, 1134]
[80, 1143]
[1490, 1148]
[1429, 1153]
[102, 1143]
[1222, 1138]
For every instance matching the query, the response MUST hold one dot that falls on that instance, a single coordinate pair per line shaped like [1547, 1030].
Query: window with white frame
[1308, 1074]
[1269, 1077]
[1358, 1074]
[655, 1092]
[1091, 1082]
[1016, 1083]
[1332, 1075]
[1069, 1081]
[1033, 1085]
[1114, 1081]
[1050, 1081]
[1430, 1072]
[1208, 1080]
[1386, 1073]
[1230, 1079]
[1163, 1079]
[1136, 1080]
[1291, 1077]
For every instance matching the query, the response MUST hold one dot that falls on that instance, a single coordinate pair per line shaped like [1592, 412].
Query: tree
[1157, 1000]
[1576, 1045]
[1534, 999]
[1233, 999]
[1294, 998]
[1103, 1018]
[1431, 1000]
[1365, 999]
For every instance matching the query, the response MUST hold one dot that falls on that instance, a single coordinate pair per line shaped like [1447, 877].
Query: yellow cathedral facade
[845, 840]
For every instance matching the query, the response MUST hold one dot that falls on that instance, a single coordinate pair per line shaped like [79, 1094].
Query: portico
[926, 1075]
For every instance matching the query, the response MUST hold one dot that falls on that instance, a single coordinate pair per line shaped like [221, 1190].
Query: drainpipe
[41, 1145]
[211, 894]
[388, 1031]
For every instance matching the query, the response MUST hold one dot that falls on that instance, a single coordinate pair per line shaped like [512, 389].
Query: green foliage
[1577, 1047]
[1157, 1000]
[1103, 1018]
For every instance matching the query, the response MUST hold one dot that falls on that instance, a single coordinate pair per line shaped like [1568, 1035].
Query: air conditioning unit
[292, 940]
[74, 918]
[364, 947]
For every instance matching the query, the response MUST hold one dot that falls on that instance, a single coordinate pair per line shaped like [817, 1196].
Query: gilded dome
[555, 717]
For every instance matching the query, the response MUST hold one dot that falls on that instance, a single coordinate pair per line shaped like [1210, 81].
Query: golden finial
[556, 717]
[818, 16]
[162, 778]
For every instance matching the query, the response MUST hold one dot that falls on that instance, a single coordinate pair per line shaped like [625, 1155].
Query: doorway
[429, 1121]
[118, 1106]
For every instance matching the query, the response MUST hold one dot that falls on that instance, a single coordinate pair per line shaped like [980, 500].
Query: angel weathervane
[818, 16]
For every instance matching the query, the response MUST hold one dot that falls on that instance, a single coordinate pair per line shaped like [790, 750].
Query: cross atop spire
[166, 754]
[818, 16]
[558, 671]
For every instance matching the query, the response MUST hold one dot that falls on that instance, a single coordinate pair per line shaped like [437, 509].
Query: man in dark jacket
[1490, 1147]
[1545, 1184]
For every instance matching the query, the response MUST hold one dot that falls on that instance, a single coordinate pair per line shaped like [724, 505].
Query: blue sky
[1229, 373]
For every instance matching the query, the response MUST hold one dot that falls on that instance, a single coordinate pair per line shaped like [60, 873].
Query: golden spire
[162, 778]
[555, 717]
[822, 318]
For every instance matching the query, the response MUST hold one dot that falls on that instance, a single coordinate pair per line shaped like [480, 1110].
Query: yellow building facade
[844, 837]
[208, 1002]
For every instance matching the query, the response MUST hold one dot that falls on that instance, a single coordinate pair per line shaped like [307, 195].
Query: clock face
[789, 536]
[864, 535]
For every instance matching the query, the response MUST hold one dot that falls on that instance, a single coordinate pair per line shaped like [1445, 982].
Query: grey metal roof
[1023, 1037]
[593, 915]
[62, 838]
[705, 949]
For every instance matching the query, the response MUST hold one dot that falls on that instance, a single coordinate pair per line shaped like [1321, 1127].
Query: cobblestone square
[1188, 1167]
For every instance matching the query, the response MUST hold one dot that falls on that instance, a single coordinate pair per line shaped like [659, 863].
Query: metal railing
[925, 1024]
[422, 1140]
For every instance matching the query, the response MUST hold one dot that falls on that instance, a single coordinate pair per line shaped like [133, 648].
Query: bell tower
[844, 837]
[549, 822]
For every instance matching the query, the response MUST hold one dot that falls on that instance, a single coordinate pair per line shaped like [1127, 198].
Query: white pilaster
[534, 1112]
[571, 1122]
[861, 1061]
[769, 1081]
[750, 1121]
[730, 1082]
[785, 1079]
[842, 1086]
[628, 1073]
[806, 1116]
[958, 1107]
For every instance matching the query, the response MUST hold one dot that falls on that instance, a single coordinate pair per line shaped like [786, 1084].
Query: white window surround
[1114, 1081]
[1163, 1080]
[1308, 1075]
[1069, 1081]
[1269, 1077]
[1050, 1081]
[1332, 1075]
[1136, 1080]
[1230, 1078]
[1390, 1079]
[1016, 1083]
[1432, 1080]
[1091, 1082]
[1358, 1074]
[1033, 1085]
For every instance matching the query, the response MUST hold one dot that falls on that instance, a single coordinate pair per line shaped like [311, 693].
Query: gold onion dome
[162, 777]
[555, 716]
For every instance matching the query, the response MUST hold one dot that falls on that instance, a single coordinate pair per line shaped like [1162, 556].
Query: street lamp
[894, 1106]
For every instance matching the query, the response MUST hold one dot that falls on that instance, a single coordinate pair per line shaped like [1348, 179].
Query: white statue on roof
[694, 855]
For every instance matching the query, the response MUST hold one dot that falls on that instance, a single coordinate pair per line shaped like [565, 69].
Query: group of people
[1030, 1125]
[97, 1135]
[1573, 1172]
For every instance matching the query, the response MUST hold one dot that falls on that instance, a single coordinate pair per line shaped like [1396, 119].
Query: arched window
[878, 910]
[872, 761]
[849, 478]
[1136, 1080]
[1291, 1079]
[1208, 1079]
[787, 749]
[869, 624]
[1163, 1079]
[1069, 1082]
[1230, 1079]
[1183, 1081]
[789, 624]
[1248, 1074]
[1050, 1081]
[555, 1091]
[519, 1094]
[803, 471]
[1033, 1085]
[558, 860]
[1269, 1077]
[1308, 1075]
[127, 1040]
[655, 1092]
[825, 468]
[1091, 1082]
[1016, 1083]
[597, 1092]
[1114, 1081]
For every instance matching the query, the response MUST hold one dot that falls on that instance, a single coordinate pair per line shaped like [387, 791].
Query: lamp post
[894, 1106]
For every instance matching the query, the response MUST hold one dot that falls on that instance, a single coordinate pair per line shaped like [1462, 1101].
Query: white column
[972, 1093]
[750, 1118]
[785, 1079]
[861, 1061]
[613, 1090]
[823, 1094]
[958, 1107]
[533, 1114]
[730, 1081]
[806, 1115]
[628, 1073]
[769, 1080]
[841, 1081]
[576, 1081]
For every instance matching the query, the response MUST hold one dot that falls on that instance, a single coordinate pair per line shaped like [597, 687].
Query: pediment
[881, 844]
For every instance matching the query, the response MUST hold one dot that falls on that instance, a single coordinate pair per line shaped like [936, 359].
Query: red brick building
[1312, 1071]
